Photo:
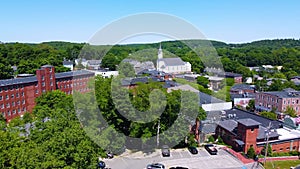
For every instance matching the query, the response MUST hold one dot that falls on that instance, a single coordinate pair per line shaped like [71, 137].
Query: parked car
[179, 167]
[165, 151]
[109, 155]
[155, 166]
[211, 149]
[193, 150]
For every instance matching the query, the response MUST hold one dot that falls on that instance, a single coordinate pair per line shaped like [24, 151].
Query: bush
[211, 139]
[251, 153]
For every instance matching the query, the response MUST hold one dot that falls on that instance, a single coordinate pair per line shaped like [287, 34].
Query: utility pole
[157, 136]
[267, 143]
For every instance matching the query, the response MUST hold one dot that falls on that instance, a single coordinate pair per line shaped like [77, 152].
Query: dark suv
[165, 151]
[193, 150]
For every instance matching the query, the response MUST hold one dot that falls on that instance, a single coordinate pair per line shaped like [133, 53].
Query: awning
[239, 142]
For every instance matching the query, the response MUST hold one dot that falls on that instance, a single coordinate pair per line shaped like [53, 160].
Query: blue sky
[230, 21]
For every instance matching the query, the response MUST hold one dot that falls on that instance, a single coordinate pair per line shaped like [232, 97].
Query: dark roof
[229, 74]
[18, 81]
[262, 133]
[242, 114]
[47, 66]
[73, 74]
[65, 62]
[207, 99]
[286, 93]
[246, 95]
[172, 61]
[229, 125]
[248, 122]
[139, 80]
[242, 87]
[94, 62]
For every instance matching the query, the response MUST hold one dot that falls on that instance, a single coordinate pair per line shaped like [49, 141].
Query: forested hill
[274, 44]
[235, 57]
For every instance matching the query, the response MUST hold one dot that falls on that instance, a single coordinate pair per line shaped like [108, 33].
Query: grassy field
[282, 164]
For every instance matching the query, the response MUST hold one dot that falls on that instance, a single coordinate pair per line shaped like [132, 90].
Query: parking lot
[181, 157]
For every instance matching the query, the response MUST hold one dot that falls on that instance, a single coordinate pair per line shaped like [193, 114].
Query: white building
[172, 65]
[105, 73]
[68, 64]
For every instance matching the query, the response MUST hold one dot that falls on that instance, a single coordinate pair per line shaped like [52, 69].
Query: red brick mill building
[242, 130]
[17, 95]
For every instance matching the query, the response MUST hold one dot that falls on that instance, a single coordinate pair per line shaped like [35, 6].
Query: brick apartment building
[17, 95]
[280, 100]
[242, 130]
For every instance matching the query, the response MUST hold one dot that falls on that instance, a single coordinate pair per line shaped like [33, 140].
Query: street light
[267, 142]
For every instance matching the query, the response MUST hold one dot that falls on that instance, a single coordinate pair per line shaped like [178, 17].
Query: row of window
[13, 112]
[11, 96]
[287, 148]
[7, 105]
[11, 88]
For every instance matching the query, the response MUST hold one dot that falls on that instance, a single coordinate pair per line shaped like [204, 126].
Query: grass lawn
[282, 164]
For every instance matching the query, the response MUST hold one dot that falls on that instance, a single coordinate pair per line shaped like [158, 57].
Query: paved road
[180, 157]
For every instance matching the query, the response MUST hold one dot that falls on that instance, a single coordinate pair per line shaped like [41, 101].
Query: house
[242, 130]
[105, 73]
[140, 66]
[68, 64]
[296, 80]
[279, 100]
[241, 94]
[172, 65]
[238, 78]
[17, 95]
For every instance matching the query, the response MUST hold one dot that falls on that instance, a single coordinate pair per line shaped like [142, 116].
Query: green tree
[6, 71]
[251, 105]
[290, 111]
[251, 153]
[203, 81]
[270, 115]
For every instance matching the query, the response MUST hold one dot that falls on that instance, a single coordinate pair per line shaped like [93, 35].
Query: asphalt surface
[182, 157]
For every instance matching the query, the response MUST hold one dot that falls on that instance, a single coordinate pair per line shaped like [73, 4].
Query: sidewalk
[279, 158]
[239, 156]
[139, 154]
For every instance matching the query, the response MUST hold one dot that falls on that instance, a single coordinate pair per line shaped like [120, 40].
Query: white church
[172, 65]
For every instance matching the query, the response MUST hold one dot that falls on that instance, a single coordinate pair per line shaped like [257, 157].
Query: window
[1, 105]
[43, 77]
[7, 97]
[8, 113]
[18, 102]
[51, 77]
[22, 93]
[252, 130]
[284, 102]
[0, 97]
[12, 96]
[44, 90]
[281, 149]
[19, 110]
[3, 114]
[43, 84]
[7, 105]
[36, 91]
[23, 101]
[14, 111]
[51, 83]
[297, 101]
[17, 94]
[12, 103]
[0, 89]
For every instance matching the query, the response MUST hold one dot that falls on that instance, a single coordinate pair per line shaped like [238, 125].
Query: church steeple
[160, 52]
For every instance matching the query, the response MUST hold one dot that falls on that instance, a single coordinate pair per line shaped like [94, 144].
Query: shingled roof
[172, 61]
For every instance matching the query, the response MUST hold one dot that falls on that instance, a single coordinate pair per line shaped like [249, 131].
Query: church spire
[160, 52]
